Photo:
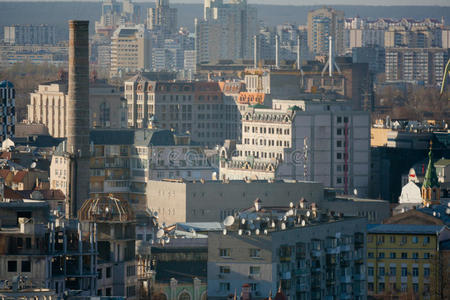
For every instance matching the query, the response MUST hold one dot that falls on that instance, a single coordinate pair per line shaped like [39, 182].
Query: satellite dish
[228, 221]
[291, 205]
[257, 231]
[273, 224]
[33, 165]
[155, 214]
[355, 192]
[303, 223]
[240, 231]
[224, 232]
[308, 213]
[249, 232]
[283, 226]
[243, 221]
[252, 226]
[290, 212]
[166, 239]
[159, 233]
[266, 231]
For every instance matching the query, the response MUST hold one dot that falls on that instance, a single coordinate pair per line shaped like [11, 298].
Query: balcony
[302, 287]
[359, 277]
[302, 272]
[346, 279]
[316, 253]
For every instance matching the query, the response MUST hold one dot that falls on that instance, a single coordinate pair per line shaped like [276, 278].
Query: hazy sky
[298, 2]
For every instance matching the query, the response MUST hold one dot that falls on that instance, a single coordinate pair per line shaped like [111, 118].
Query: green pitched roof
[431, 179]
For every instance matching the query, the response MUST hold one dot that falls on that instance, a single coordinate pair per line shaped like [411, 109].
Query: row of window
[264, 142]
[403, 239]
[403, 255]
[253, 252]
[269, 130]
[393, 287]
[25, 266]
[392, 271]
[253, 270]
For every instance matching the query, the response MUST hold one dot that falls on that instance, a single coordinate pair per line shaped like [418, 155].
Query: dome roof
[106, 209]
[6, 84]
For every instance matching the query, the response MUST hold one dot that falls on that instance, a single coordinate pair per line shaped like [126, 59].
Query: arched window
[184, 296]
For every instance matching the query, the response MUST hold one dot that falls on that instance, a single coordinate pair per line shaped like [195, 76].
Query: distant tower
[78, 113]
[162, 17]
[430, 188]
[7, 110]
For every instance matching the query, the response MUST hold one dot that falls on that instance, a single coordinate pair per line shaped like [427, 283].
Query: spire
[431, 179]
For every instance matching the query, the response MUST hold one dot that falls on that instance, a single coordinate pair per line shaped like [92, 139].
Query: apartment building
[52, 252]
[130, 50]
[425, 65]
[42, 34]
[195, 107]
[226, 31]
[323, 23]
[48, 106]
[162, 17]
[7, 110]
[322, 141]
[279, 248]
[404, 260]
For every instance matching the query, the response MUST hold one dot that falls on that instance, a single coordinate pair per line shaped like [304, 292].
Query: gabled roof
[431, 179]
[19, 176]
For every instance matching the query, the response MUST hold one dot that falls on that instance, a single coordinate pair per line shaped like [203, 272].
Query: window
[415, 239]
[108, 292]
[225, 252]
[255, 253]
[392, 238]
[338, 155]
[12, 266]
[426, 272]
[393, 255]
[339, 131]
[26, 266]
[426, 255]
[381, 287]
[108, 272]
[131, 291]
[415, 287]
[404, 255]
[426, 240]
[224, 286]
[254, 270]
[415, 255]
[253, 287]
[381, 255]
[370, 255]
[99, 273]
[224, 270]
[370, 271]
[370, 286]
[339, 119]
[345, 119]
[415, 272]
[381, 271]
[404, 239]
[404, 271]
[392, 271]
[131, 270]
[339, 144]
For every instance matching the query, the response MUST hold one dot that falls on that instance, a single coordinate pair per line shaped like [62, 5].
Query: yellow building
[404, 260]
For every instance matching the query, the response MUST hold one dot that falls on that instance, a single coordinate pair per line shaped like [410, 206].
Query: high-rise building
[197, 107]
[29, 34]
[162, 17]
[424, 65]
[7, 110]
[323, 23]
[130, 50]
[115, 14]
[324, 141]
[226, 31]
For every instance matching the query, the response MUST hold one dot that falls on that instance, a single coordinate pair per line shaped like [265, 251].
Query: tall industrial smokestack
[277, 51]
[299, 62]
[78, 113]
[255, 51]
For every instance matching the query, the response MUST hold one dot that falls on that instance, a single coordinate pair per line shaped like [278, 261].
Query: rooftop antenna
[277, 51]
[255, 51]
[331, 63]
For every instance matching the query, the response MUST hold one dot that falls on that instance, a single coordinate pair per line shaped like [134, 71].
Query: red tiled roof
[11, 194]
[19, 176]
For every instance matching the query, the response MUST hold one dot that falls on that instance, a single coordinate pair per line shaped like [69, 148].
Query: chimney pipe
[78, 113]
[331, 56]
